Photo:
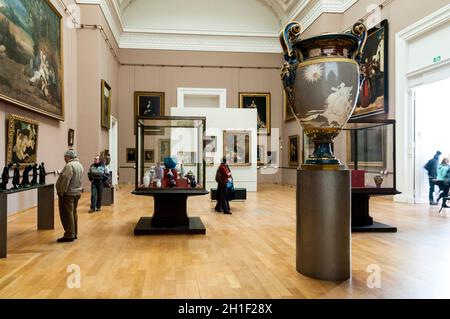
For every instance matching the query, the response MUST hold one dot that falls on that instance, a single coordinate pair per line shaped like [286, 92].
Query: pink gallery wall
[400, 14]
[86, 61]
[167, 79]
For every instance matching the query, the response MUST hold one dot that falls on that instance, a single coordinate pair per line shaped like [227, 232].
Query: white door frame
[403, 99]
[113, 145]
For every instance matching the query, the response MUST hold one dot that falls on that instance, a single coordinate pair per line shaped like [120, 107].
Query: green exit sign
[437, 59]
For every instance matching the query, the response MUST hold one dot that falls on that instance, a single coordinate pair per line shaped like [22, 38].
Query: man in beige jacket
[68, 187]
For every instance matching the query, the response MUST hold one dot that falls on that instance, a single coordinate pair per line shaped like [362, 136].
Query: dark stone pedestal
[108, 196]
[145, 227]
[170, 215]
[362, 222]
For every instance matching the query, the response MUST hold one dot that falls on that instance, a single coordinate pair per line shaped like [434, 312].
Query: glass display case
[370, 153]
[169, 153]
[170, 167]
[367, 148]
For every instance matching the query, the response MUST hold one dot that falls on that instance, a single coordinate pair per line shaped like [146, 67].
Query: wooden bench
[239, 194]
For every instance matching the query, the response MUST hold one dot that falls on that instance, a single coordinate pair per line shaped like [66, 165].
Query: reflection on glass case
[173, 158]
[370, 153]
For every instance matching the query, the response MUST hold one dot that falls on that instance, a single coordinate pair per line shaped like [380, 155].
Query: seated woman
[443, 179]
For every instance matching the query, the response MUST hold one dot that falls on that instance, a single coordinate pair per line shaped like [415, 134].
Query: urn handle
[288, 36]
[359, 29]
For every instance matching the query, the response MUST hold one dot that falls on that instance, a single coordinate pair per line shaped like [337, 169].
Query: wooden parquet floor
[250, 254]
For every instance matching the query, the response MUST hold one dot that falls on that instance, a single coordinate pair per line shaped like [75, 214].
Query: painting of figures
[31, 68]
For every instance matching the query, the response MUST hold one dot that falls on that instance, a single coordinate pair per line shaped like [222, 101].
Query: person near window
[431, 167]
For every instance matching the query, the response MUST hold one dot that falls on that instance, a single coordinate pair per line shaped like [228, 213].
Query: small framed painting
[149, 156]
[22, 140]
[106, 105]
[131, 155]
[293, 150]
[261, 102]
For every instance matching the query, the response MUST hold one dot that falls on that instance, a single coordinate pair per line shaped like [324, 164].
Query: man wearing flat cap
[68, 187]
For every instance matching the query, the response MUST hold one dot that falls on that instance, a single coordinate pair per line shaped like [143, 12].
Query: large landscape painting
[31, 71]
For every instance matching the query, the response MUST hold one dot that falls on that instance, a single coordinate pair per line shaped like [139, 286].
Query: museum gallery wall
[329, 22]
[152, 81]
[81, 97]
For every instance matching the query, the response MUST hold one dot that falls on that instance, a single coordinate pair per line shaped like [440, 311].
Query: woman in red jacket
[223, 175]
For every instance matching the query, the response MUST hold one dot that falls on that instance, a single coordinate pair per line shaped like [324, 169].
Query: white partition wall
[218, 119]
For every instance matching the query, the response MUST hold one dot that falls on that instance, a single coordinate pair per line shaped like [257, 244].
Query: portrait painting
[31, 64]
[22, 140]
[149, 104]
[164, 149]
[71, 137]
[210, 144]
[373, 95]
[260, 102]
[293, 150]
[149, 156]
[105, 105]
[131, 155]
[236, 147]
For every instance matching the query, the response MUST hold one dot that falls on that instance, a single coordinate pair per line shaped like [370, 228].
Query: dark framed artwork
[149, 104]
[210, 144]
[31, 56]
[131, 155]
[106, 105]
[22, 140]
[164, 149]
[237, 147]
[288, 115]
[370, 148]
[261, 102]
[373, 95]
[71, 137]
[149, 156]
[294, 150]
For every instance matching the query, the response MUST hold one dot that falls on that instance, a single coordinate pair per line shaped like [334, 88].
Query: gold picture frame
[371, 147]
[237, 147]
[106, 94]
[294, 143]
[149, 156]
[260, 101]
[150, 104]
[164, 148]
[48, 97]
[22, 142]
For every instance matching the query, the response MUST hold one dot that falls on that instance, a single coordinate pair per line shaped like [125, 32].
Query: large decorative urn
[321, 79]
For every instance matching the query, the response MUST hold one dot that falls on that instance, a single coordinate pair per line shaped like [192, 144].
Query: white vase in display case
[158, 183]
[146, 180]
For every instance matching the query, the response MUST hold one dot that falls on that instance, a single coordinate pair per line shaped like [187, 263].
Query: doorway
[113, 142]
[432, 117]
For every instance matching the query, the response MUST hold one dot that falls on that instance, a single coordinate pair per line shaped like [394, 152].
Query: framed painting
[261, 102]
[288, 115]
[106, 105]
[149, 156]
[236, 147]
[131, 155]
[293, 150]
[187, 158]
[149, 104]
[164, 149]
[71, 137]
[373, 96]
[210, 144]
[31, 56]
[22, 140]
[369, 145]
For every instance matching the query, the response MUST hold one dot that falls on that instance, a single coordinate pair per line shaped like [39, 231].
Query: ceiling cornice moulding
[204, 40]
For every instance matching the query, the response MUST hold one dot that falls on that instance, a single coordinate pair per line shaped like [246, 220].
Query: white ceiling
[209, 25]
